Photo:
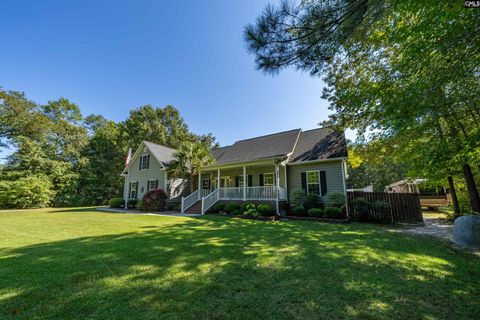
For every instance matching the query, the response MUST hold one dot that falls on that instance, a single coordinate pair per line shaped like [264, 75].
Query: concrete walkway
[437, 228]
[163, 213]
[433, 227]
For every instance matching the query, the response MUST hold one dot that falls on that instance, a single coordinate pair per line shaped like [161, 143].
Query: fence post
[203, 205]
[183, 207]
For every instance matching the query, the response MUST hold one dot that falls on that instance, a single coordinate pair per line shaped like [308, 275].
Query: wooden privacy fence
[405, 207]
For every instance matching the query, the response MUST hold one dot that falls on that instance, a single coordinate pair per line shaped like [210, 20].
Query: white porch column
[244, 183]
[277, 181]
[218, 179]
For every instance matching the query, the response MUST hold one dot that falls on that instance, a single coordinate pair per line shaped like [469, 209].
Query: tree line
[405, 74]
[61, 158]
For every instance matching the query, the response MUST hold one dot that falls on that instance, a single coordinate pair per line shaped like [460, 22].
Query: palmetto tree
[190, 158]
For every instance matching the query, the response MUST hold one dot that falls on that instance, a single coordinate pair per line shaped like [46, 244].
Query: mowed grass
[79, 263]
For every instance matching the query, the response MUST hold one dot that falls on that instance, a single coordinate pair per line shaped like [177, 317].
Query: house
[147, 170]
[266, 168]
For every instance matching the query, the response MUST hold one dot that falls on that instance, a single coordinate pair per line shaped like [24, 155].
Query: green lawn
[85, 264]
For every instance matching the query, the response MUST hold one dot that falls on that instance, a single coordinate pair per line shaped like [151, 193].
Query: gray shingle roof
[264, 147]
[319, 144]
[316, 144]
[163, 154]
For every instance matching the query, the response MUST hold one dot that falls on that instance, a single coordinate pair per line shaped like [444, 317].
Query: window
[152, 185]
[206, 184]
[133, 190]
[268, 179]
[144, 162]
[313, 182]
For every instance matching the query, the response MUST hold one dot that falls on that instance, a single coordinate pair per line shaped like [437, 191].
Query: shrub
[229, 208]
[154, 200]
[298, 211]
[335, 199]
[311, 200]
[218, 208]
[315, 212]
[27, 192]
[297, 197]
[139, 205]
[250, 213]
[265, 210]
[360, 208]
[174, 207]
[237, 212]
[248, 206]
[333, 212]
[116, 202]
[132, 203]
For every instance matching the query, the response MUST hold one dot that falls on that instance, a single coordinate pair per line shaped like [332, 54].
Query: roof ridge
[320, 128]
[160, 145]
[270, 134]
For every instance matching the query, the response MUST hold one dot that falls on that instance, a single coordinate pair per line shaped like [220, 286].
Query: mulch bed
[276, 218]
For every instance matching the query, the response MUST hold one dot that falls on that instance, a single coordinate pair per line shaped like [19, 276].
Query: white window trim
[319, 184]
[148, 183]
[131, 189]
[264, 180]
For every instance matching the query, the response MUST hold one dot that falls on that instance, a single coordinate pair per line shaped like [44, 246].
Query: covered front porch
[259, 181]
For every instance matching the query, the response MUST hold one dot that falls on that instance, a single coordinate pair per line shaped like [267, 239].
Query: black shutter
[140, 163]
[260, 179]
[148, 161]
[129, 190]
[250, 180]
[304, 181]
[237, 181]
[156, 184]
[136, 190]
[323, 182]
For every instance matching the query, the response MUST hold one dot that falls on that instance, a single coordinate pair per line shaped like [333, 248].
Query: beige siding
[155, 171]
[333, 173]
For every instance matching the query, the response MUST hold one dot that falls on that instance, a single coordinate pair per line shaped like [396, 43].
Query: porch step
[195, 208]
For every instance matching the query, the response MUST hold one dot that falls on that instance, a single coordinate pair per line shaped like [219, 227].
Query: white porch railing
[234, 193]
[210, 200]
[262, 193]
[268, 193]
[189, 200]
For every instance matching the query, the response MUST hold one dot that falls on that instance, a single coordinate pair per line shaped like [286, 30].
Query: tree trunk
[453, 194]
[471, 188]
[193, 182]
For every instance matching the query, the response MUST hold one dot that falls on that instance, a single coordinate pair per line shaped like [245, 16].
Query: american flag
[129, 157]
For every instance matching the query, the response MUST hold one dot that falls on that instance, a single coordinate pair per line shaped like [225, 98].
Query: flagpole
[127, 187]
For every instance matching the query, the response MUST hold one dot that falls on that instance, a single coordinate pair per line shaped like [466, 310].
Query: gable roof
[298, 146]
[319, 144]
[274, 145]
[164, 155]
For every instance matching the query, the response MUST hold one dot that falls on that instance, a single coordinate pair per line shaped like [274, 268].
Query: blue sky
[112, 56]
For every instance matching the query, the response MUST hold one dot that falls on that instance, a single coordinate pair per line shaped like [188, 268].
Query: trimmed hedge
[335, 199]
[298, 211]
[231, 207]
[116, 202]
[265, 210]
[315, 212]
[333, 212]
[218, 207]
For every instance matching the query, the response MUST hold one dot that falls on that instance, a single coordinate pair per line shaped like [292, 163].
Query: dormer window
[144, 162]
